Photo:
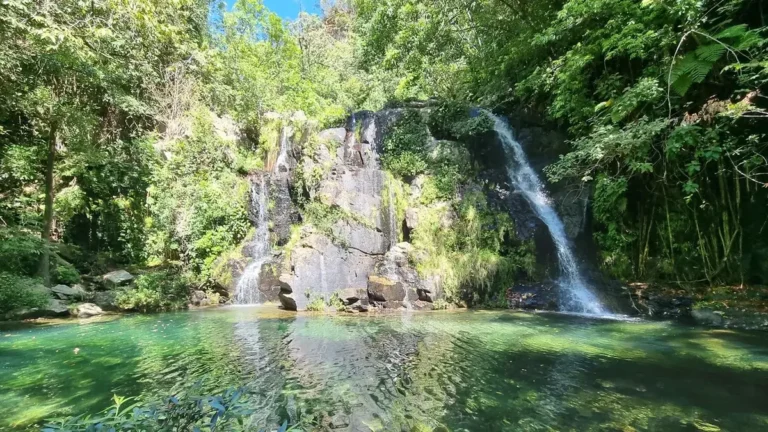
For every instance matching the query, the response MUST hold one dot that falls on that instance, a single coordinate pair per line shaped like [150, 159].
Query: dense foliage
[133, 153]
[663, 101]
[116, 153]
[461, 239]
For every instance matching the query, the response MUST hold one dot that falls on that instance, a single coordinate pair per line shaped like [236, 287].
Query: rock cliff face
[316, 260]
[351, 183]
[352, 238]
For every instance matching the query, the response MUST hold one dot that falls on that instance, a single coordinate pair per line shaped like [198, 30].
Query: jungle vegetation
[110, 155]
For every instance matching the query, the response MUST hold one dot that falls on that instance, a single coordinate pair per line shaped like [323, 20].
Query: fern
[748, 40]
[682, 84]
[691, 70]
[710, 53]
[732, 32]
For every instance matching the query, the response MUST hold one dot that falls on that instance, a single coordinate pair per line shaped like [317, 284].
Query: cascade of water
[580, 298]
[282, 157]
[323, 283]
[247, 289]
[393, 235]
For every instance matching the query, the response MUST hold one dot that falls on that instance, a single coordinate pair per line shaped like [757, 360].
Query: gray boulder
[86, 310]
[269, 282]
[54, 308]
[537, 296]
[422, 305]
[360, 306]
[351, 296]
[385, 290]
[288, 302]
[106, 300]
[424, 295]
[117, 278]
[707, 317]
[319, 266]
[198, 297]
[64, 292]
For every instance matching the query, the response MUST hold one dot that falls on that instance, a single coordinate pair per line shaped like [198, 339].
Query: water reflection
[464, 371]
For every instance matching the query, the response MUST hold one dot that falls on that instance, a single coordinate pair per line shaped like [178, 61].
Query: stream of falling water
[579, 298]
[282, 158]
[247, 289]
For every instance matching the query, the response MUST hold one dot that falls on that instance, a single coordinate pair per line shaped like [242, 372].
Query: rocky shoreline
[385, 296]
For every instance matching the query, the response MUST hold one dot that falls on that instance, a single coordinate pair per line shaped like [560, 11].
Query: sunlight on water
[461, 370]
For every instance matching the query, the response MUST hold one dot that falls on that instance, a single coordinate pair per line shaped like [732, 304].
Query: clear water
[247, 288]
[467, 371]
[578, 297]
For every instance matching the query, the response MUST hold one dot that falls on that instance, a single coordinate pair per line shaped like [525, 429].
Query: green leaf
[710, 53]
[682, 84]
[732, 32]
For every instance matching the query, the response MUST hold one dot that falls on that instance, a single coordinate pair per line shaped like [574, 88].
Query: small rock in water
[339, 421]
[77, 350]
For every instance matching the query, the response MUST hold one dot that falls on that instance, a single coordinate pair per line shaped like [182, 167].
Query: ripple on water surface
[466, 371]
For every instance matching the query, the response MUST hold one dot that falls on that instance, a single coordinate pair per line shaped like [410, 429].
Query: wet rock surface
[105, 300]
[117, 278]
[535, 296]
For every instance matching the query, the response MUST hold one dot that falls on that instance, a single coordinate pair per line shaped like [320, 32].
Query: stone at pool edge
[54, 308]
[106, 300]
[116, 279]
[381, 289]
[287, 300]
[707, 317]
[351, 296]
[86, 310]
[64, 292]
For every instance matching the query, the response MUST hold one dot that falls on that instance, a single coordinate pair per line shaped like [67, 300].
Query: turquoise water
[466, 371]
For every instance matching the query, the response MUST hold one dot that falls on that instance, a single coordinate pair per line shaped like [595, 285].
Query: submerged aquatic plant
[185, 412]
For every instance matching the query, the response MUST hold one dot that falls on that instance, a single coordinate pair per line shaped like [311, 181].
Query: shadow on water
[466, 371]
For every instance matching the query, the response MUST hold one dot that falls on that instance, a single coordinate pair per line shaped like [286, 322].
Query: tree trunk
[45, 258]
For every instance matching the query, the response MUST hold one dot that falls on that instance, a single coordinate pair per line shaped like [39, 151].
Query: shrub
[19, 251]
[440, 304]
[213, 296]
[155, 292]
[18, 292]
[405, 148]
[470, 247]
[67, 274]
[457, 121]
[336, 302]
[316, 305]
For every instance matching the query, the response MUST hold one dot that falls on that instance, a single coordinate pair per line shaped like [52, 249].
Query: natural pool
[472, 371]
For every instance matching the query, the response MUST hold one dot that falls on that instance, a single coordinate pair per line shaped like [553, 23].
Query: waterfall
[282, 157]
[392, 215]
[247, 289]
[579, 297]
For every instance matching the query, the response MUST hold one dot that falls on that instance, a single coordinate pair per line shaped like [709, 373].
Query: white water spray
[282, 157]
[580, 298]
[247, 289]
